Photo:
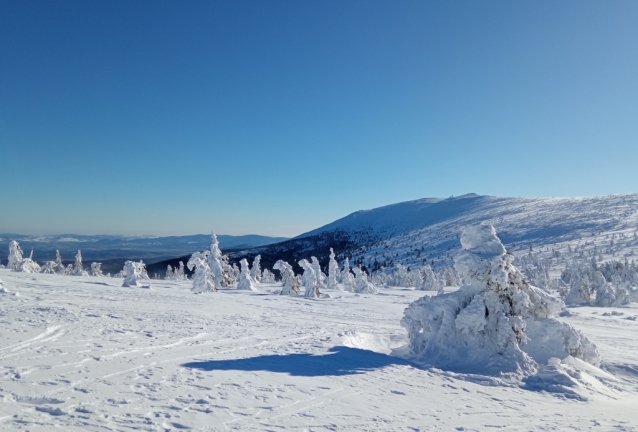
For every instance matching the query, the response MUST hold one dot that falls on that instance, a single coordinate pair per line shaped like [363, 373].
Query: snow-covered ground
[83, 353]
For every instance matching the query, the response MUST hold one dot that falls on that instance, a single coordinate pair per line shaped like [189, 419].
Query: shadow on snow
[340, 360]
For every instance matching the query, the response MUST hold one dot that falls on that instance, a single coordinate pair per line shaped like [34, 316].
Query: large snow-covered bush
[496, 324]
[290, 284]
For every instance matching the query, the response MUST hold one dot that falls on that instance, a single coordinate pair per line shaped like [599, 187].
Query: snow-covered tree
[96, 269]
[267, 277]
[497, 324]
[430, 281]
[416, 279]
[215, 262]
[170, 274]
[346, 277]
[3, 290]
[401, 276]
[320, 276]
[333, 270]
[309, 279]
[135, 272]
[246, 281]
[78, 268]
[203, 277]
[255, 271]
[290, 284]
[15, 256]
[361, 283]
[179, 272]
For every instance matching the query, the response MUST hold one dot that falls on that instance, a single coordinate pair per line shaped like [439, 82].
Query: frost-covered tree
[246, 281]
[430, 281]
[309, 279]
[55, 267]
[320, 276]
[170, 274]
[96, 269]
[497, 324]
[346, 277]
[290, 284]
[135, 272]
[579, 290]
[255, 271]
[180, 275]
[78, 267]
[215, 263]
[203, 277]
[267, 277]
[416, 279]
[361, 283]
[3, 290]
[333, 270]
[15, 256]
[401, 276]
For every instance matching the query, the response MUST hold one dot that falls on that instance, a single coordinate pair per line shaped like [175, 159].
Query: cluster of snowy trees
[18, 263]
[612, 283]
[424, 278]
[497, 323]
[212, 270]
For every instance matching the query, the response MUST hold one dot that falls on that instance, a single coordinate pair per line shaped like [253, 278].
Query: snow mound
[497, 324]
[370, 342]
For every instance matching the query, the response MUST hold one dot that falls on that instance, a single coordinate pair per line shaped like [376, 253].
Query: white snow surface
[84, 354]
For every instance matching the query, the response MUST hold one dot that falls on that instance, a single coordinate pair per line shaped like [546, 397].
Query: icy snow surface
[84, 354]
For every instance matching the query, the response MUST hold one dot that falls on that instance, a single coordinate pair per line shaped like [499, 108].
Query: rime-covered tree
[203, 277]
[267, 277]
[255, 271]
[135, 272]
[179, 272]
[401, 276]
[215, 262]
[346, 276]
[497, 324]
[309, 279]
[320, 276]
[170, 275]
[78, 267]
[15, 256]
[96, 269]
[361, 283]
[333, 270]
[246, 281]
[290, 284]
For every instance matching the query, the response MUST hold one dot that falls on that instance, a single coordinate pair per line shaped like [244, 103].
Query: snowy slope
[84, 354]
[426, 231]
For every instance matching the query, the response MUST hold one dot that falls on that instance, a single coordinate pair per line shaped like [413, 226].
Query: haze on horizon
[274, 118]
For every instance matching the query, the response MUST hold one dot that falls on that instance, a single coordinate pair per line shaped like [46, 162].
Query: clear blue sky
[276, 117]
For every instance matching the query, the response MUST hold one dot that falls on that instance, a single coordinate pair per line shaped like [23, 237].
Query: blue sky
[275, 117]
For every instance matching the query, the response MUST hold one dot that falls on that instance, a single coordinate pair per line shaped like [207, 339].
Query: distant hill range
[114, 250]
[426, 231]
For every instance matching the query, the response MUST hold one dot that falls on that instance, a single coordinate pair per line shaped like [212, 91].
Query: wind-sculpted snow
[496, 324]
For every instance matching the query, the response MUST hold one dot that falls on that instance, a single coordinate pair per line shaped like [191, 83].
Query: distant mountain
[106, 247]
[426, 231]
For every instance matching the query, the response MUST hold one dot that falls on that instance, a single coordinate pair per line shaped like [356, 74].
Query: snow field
[83, 353]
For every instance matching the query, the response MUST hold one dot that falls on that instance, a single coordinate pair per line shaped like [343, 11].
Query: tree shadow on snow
[340, 360]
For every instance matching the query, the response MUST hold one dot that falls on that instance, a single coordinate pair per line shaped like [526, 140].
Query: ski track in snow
[76, 356]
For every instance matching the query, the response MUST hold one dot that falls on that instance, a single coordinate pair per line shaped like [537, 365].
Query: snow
[82, 353]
